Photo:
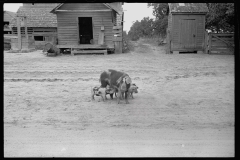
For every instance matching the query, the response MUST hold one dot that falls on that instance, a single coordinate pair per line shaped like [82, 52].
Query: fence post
[168, 47]
[209, 43]
[206, 43]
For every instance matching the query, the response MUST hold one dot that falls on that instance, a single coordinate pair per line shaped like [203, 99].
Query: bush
[127, 45]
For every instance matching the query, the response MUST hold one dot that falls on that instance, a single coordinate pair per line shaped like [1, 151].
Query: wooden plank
[26, 31]
[85, 46]
[118, 47]
[206, 43]
[105, 10]
[89, 51]
[101, 38]
[221, 39]
[83, 6]
[219, 48]
[72, 53]
[117, 27]
[45, 29]
[116, 31]
[117, 39]
[225, 38]
[117, 35]
[221, 52]
[44, 33]
[19, 33]
[77, 28]
[210, 43]
[220, 45]
[67, 27]
[222, 34]
[73, 38]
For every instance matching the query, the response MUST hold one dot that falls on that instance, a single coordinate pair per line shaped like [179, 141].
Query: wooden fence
[219, 43]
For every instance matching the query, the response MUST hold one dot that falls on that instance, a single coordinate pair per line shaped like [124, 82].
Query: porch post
[26, 33]
[19, 33]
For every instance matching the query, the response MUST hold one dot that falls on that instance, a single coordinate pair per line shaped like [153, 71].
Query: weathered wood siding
[24, 43]
[221, 43]
[169, 21]
[49, 34]
[40, 5]
[176, 31]
[83, 6]
[36, 30]
[68, 22]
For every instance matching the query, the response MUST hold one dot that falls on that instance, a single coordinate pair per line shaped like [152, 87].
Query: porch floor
[87, 46]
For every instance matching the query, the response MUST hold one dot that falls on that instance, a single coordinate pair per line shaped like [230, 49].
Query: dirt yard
[185, 105]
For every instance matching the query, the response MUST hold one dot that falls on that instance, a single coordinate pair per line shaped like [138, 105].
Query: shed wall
[170, 21]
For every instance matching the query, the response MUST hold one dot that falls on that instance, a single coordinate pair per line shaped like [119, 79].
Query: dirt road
[185, 105]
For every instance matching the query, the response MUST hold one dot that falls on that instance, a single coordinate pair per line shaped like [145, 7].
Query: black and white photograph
[119, 79]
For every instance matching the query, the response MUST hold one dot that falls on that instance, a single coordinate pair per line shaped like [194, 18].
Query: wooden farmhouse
[186, 27]
[8, 16]
[41, 25]
[89, 27]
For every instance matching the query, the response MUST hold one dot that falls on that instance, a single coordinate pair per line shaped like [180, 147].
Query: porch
[87, 48]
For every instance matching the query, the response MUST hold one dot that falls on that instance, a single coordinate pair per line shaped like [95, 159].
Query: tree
[161, 12]
[144, 28]
[220, 17]
[135, 32]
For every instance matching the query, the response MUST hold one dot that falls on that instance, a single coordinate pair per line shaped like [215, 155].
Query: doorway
[85, 30]
[188, 33]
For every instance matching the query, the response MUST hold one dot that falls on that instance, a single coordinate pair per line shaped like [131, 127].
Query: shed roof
[188, 7]
[36, 17]
[115, 6]
[8, 16]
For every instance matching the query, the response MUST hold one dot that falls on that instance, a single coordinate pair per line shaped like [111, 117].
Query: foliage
[148, 27]
[161, 12]
[220, 17]
[135, 31]
[127, 45]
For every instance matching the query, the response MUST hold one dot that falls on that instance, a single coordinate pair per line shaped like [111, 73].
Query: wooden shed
[41, 24]
[89, 27]
[186, 27]
[8, 16]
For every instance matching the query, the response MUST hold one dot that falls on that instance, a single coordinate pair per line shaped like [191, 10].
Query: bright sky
[13, 7]
[132, 12]
[135, 11]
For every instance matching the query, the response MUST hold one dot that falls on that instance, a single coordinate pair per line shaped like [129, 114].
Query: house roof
[36, 17]
[188, 7]
[115, 6]
[8, 16]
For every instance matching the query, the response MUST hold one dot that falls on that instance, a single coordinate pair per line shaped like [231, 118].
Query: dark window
[5, 24]
[38, 38]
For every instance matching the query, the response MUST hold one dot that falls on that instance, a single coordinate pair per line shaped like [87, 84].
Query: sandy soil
[185, 105]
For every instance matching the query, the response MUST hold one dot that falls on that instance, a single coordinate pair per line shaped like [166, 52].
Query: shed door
[188, 33]
[85, 29]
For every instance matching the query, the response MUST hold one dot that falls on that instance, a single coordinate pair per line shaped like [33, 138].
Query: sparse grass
[155, 41]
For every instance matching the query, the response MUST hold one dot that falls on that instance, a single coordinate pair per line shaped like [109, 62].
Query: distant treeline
[220, 18]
